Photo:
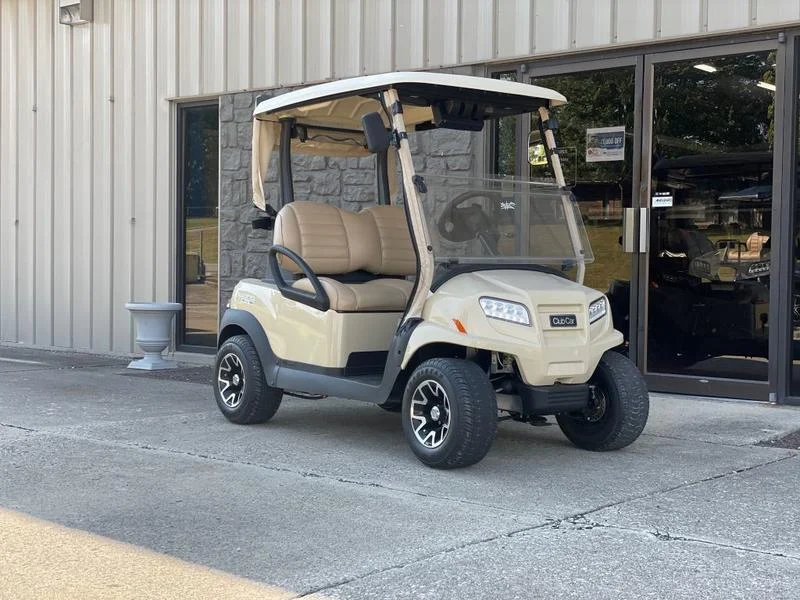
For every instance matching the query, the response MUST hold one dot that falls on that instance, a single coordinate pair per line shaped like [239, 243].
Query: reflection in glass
[602, 185]
[200, 174]
[710, 217]
[505, 138]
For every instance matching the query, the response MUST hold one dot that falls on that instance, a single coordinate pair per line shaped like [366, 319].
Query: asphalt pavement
[326, 500]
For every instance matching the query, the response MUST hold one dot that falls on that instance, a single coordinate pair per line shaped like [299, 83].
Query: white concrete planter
[153, 332]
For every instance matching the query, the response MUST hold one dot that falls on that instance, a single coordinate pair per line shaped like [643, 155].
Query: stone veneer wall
[345, 182]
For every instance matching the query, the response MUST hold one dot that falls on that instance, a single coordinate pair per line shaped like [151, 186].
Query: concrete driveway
[326, 500]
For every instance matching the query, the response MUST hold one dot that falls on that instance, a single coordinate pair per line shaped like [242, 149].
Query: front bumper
[545, 399]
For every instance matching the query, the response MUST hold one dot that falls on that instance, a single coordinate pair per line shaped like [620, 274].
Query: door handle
[629, 230]
[630, 243]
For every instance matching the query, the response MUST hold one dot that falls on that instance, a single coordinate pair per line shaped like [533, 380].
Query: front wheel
[449, 413]
[618, 408]
[240, 388]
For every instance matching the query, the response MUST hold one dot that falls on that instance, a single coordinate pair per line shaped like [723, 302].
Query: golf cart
[448, 300]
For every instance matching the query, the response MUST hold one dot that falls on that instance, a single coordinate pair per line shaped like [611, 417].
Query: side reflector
[460, 326]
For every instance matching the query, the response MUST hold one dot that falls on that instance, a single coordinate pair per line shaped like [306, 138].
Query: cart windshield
[502, 221]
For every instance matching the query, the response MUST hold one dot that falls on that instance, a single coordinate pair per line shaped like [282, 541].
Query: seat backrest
[755, 242]
[335, 241]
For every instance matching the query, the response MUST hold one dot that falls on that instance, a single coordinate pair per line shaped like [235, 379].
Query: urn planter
[153, 332]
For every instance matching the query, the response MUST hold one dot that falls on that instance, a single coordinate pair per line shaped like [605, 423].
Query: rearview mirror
[375, 132]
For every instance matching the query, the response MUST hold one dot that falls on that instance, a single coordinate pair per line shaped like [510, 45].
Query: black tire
[471, 412]
[248, 399]
[619, 415]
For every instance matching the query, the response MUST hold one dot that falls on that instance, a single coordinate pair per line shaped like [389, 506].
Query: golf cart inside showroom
[448, 299]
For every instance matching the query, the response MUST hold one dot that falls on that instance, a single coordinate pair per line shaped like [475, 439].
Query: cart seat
[336, 242]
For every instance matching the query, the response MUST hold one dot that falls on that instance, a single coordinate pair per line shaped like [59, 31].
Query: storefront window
[505, 138]
[200, 228]
[710, 216]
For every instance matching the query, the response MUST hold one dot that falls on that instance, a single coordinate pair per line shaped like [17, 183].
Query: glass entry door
[710, 230]
[598, 148]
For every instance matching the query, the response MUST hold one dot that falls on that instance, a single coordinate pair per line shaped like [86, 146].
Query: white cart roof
[418, 90]
[331, 112]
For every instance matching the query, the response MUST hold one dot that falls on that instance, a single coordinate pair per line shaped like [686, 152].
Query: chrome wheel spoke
[230, 380]
[430, 413]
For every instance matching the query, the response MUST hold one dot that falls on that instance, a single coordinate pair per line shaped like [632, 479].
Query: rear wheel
[240, 389]
[449, 413]
[618, 408]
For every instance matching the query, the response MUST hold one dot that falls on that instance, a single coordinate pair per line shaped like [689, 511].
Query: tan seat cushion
[335, 241]
[753, 245]
[376, 295]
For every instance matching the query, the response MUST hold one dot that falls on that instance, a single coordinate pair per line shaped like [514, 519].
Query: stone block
[242, 115]
[308, 162]
[244, 135]
[366, 162]
[359, 194]
[233, 235]
[326, 183]
[354, 177]
[255, 264]
[459, 163]
[435, 165]
[225, 109]
[231, 159]
[243, 100]
[449, 142]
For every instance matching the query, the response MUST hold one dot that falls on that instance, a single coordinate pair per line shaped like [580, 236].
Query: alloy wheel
[230, 380]
[430, 414]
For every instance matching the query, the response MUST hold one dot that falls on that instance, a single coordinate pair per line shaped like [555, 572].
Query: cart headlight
[597, 309]
[513, 312]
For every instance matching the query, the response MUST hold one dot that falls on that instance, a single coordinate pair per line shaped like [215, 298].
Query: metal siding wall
[409, 34]
[124, 130]
[593, 23]
[26, 175]
[164, 184]
[102, 234]
[636, 20]
[87, 180]
[62, 187]
[318, 39]
[551, 24]
[43, 201]
[82, 122]
[347, 31]
[776, 11]
[442, 27]
[9, 108]
[378, 36]
[238, 42]
[513, 27]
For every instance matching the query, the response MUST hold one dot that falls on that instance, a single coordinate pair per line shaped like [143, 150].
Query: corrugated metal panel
[318, 39]
[124, 131]
[347, 40]
[514, 27]
[291, 42]
[776, 11]
[378, 33]
[238, 42]
[62, 187]
[87, 180]
[8, 170]
[409, 34]
[442, 28]
[43, 251]
[26, 176]
[593, 21]
[265, 44]
[477, 30]
[635, 20]
[164, 218]
[81, 123]
[552, 26]
[190, 34]
[681, 17]
[727, 14]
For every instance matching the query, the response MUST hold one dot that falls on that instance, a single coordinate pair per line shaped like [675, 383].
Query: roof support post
[416, 219]
[285, 175]
[566, 196]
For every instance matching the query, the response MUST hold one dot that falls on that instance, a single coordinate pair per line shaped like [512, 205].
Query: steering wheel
[463, 223]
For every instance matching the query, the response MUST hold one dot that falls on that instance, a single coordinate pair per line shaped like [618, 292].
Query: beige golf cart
[447, 299]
